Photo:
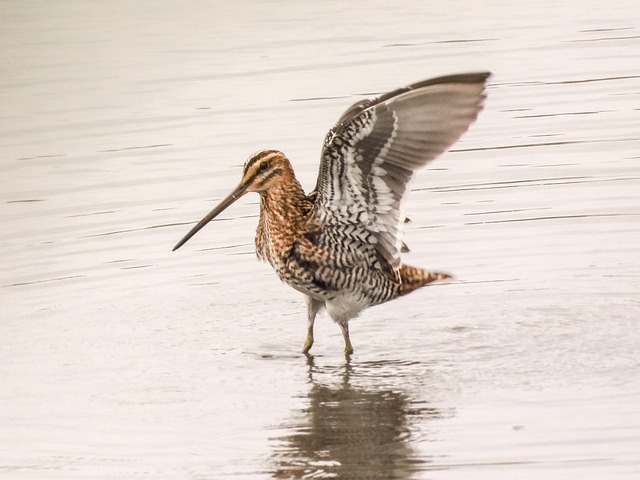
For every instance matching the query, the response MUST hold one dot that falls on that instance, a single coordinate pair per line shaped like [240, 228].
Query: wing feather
[371, 155]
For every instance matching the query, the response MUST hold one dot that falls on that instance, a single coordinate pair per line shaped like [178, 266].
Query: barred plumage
[340, 245]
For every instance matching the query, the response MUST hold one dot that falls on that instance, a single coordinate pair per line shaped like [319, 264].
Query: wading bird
[340, 245]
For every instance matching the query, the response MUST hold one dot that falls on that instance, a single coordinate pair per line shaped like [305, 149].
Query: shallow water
[124, 123]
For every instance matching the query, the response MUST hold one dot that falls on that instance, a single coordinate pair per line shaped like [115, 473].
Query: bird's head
[261, 171]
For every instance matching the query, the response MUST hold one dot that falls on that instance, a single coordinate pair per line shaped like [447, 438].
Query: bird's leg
[348, 348]
[313, 306]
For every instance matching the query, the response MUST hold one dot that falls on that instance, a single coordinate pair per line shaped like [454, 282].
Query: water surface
[125, 122]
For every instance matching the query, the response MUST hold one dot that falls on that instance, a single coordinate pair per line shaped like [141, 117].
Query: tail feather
[414, 278]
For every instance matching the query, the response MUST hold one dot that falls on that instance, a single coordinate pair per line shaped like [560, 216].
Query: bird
[341, 244]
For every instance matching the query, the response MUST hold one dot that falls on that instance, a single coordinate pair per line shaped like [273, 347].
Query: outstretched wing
[372, 153]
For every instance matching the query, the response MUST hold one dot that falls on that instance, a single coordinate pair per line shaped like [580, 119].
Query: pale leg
[313, 307]
[348, 348]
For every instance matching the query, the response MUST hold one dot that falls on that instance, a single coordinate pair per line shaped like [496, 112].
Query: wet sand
[124, 124]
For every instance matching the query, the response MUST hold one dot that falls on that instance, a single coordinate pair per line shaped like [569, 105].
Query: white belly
[345, 307]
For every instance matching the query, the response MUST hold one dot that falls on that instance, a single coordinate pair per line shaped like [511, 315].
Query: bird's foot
[348, 348]
[308, 343]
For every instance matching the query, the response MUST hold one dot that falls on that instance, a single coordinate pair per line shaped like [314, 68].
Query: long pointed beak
[240, 190]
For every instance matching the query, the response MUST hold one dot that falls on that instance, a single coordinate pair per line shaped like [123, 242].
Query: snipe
[340, 245]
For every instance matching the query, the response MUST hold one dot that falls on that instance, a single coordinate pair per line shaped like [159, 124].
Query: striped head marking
[263, 169]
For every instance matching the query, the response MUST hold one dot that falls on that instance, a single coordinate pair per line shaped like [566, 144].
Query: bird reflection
[350, 431]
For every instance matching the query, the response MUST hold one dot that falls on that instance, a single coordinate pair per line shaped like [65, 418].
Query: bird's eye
[264, 166]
